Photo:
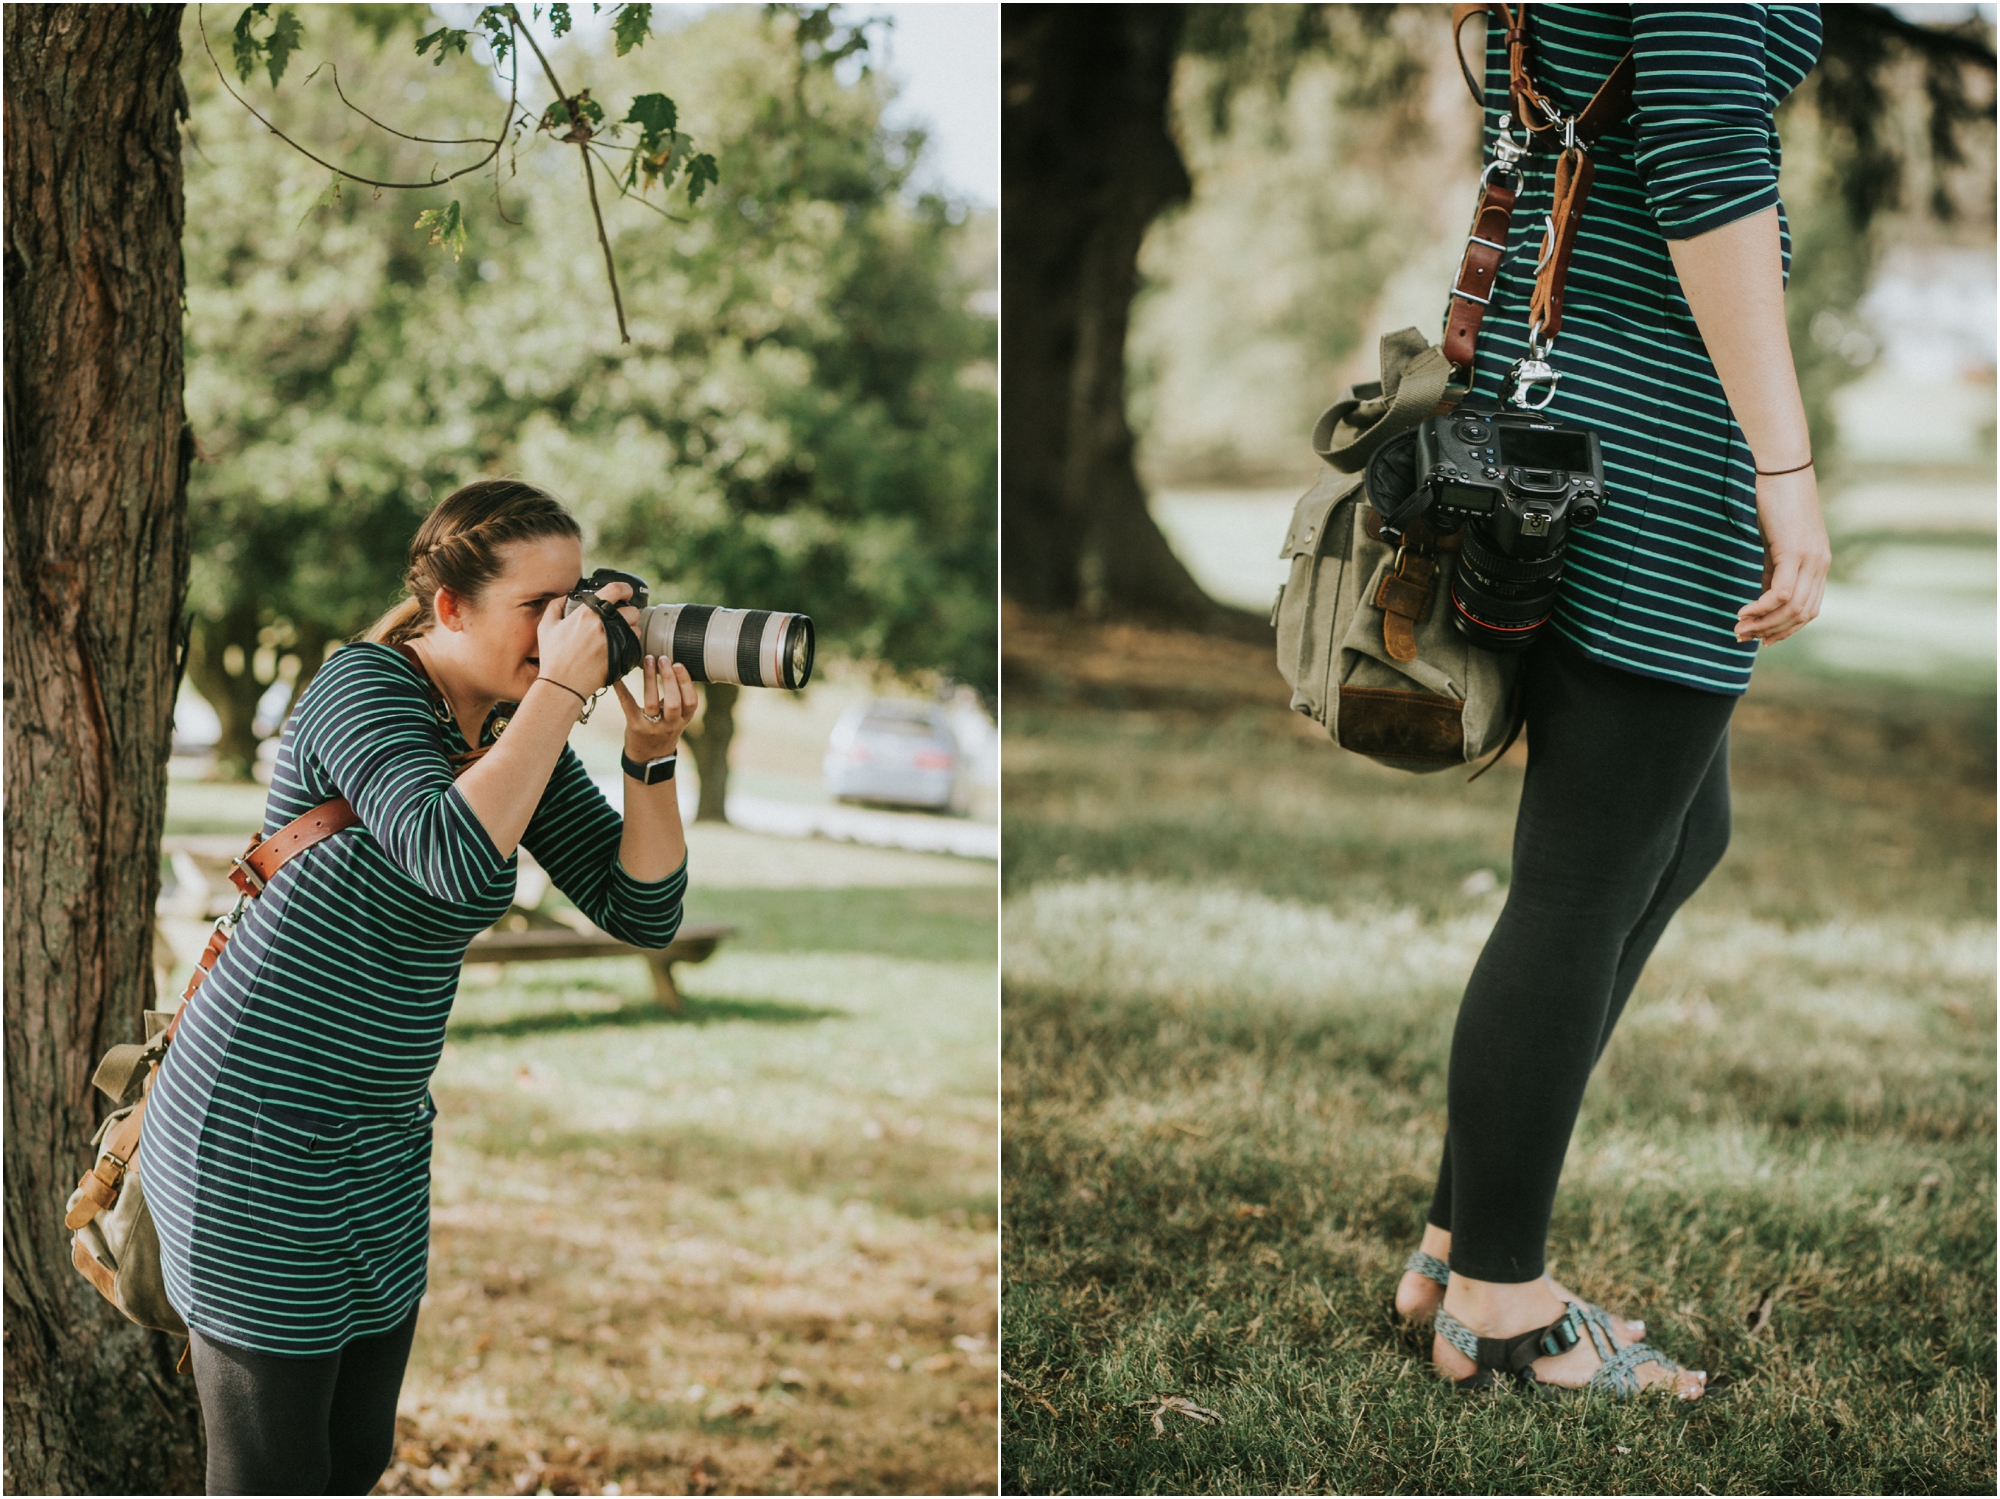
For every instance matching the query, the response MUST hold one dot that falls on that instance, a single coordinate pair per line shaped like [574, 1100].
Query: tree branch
[322, 161]
[1930, 40]
[589, 176]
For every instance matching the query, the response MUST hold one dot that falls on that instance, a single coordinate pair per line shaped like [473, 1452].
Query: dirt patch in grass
[750, 1249]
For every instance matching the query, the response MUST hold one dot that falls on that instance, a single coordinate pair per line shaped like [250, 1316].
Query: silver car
[898, 750]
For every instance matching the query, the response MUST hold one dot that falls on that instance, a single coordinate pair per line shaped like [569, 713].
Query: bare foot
[1571, 1369]
[1418, 1296]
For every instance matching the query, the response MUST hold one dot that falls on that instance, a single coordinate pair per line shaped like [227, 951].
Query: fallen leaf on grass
[1165, 1404]
[1760, 1315]
[1027, 1394]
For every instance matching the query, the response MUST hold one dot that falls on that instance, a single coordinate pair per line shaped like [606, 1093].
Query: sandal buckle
[1560, 1337]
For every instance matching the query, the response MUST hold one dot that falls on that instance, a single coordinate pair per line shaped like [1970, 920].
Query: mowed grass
[745, 1249]
[1232, 959]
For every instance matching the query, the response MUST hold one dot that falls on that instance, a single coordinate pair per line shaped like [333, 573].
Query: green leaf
[633, 25]
[499, 36]
[701, 173]
[329, 197]
[446, 227]
[654, 114]
[286, 33]
[559, 19]
[246, 46]
[447, 38]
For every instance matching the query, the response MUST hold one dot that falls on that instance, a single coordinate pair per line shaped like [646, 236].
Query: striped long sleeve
[574, 835]
[1707, 149]
[368, 729]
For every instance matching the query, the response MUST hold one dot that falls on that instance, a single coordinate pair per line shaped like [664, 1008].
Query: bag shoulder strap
[1491, 218]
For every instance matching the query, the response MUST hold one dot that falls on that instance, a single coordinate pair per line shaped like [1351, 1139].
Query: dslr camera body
[1511, 484]
[750, 647]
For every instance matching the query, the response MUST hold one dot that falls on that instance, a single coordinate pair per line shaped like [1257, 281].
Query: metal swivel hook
[1533, 373]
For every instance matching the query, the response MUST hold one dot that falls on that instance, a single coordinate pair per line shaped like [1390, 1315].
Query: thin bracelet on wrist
[1772, 473]
[565, 687]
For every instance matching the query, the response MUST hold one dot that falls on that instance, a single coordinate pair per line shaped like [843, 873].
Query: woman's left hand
[655, 729]
[1796, 558]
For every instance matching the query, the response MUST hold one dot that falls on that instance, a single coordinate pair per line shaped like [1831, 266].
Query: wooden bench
[201, 871]
[555, 943]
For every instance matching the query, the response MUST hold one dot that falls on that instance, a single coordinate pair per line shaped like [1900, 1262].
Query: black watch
[650, 772]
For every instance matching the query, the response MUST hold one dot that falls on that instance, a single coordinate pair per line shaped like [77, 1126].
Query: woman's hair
[458, 547]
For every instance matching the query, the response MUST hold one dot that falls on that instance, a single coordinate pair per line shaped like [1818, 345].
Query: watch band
[650, 772]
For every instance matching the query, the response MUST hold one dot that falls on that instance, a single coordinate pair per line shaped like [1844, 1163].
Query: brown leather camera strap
[255, 868]
[1493, 215]
[1473, 291]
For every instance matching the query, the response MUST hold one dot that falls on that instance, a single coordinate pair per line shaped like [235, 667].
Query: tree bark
[97, 452]
[1087, 163]
[709, 738]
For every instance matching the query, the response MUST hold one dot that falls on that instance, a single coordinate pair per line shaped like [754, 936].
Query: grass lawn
[1232, 959]
[749, 1248]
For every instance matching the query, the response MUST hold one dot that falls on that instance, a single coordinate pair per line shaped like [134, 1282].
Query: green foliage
[631, 26]
[275, 49]
[447, 40]
[446, 227]
[495, 20]
[804, 420]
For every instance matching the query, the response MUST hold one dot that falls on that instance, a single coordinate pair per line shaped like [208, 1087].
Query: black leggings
[1624, 811]
[280, 1425]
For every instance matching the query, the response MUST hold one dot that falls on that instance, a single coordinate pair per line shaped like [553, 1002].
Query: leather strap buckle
[244, 875]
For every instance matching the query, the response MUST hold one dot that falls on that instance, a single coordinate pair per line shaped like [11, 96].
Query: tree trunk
[233, 696]
[1087, 162]
[97, 451]
[709, 737]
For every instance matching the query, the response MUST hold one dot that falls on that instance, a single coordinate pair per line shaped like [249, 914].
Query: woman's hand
[573, 650]
[1796, 558]
[655, 729]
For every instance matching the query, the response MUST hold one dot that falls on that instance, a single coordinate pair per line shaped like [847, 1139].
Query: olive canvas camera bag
[115, 1245]
[1362, 639]
[1364, 633]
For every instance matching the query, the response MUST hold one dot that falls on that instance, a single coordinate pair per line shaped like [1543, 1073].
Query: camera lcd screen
[1465, 497]
[1525, 448]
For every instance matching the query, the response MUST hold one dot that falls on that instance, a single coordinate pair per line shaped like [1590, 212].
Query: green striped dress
[286, 1154]
[1654, 586]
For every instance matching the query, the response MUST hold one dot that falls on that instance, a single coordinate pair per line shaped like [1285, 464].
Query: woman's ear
[448, 609]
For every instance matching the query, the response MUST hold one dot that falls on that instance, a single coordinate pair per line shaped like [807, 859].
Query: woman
[1673, 347]
[287, 1146]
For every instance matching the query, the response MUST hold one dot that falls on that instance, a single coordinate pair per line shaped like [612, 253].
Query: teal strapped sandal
[1513, 1358]
[1431, 1268]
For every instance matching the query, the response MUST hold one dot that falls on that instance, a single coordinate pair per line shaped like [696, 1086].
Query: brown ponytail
[458, 547]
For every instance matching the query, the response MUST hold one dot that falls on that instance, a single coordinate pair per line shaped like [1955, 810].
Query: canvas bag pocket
[1318, 545]
[1449, 704]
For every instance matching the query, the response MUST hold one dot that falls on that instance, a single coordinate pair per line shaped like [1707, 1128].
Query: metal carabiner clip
[1533, 372]
[1529, 375]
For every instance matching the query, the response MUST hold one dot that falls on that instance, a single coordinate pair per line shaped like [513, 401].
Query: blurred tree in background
[801, 421]
[1333, 156]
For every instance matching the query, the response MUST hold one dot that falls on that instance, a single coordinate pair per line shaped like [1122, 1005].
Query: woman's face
[494, 637]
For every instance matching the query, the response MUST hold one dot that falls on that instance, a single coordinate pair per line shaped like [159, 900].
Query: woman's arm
[654, 844]
[505, 786]
[626, 875]
[1733, 279]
